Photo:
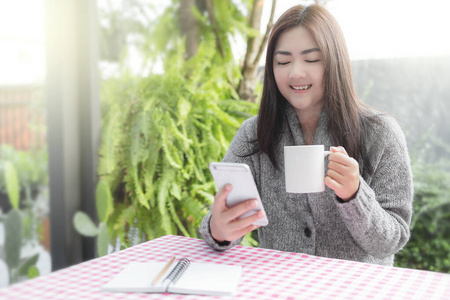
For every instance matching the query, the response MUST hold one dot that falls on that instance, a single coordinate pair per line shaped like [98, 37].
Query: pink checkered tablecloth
[267, 274]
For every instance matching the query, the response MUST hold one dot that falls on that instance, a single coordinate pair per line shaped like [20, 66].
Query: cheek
[319, 74]
[317, 77]
[279, 76]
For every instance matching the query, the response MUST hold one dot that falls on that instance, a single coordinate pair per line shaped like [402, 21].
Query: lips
[301, 87]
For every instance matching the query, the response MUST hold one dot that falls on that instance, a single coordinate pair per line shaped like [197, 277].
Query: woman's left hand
[343, 174]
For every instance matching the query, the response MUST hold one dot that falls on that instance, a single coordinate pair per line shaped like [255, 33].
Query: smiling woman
[401, 64]
[309, 98]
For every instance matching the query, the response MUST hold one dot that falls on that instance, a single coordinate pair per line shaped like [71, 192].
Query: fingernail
[260, 214]
[254, 203]
[228, 187]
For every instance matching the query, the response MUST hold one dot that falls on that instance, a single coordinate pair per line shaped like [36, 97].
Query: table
[267, 274]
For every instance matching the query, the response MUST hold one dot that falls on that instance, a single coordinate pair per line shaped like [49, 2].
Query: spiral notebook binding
[179, 269]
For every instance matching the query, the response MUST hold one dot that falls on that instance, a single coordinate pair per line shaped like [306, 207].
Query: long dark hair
[345, 110]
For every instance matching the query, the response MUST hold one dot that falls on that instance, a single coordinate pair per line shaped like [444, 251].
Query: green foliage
[28, 267]
[16, 182]
[429, 245]
[84, 225]
[17, 267]
[30, 166]
[104, 201]
[12, 184]
[33, 272]
[160, 134]
[102, 240]
[13, 239]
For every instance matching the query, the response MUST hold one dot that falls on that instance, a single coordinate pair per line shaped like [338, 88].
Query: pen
[163, 270]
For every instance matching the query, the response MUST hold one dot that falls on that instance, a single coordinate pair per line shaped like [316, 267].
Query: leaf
[84, 225]
[103, 199]
[163, 198]
[111, 138]
[176, 219]
[137, 187]
[184, 108]
[176, 190]
[139, 122]
[27, 264]
[102, 240]
[12, 184]
[13, 238]
[170, 152]
[33, 272]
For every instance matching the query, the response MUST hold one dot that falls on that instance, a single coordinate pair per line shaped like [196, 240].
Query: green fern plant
[159, 135]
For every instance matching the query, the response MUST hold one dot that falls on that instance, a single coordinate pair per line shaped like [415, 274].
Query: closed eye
[283, 63]
[312, 61]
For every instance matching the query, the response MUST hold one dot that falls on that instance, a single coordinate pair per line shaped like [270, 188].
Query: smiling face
[299, 70]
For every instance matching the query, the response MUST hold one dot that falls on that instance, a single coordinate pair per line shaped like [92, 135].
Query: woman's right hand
[224, 224]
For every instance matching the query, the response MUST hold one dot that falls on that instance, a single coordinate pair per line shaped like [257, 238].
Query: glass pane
[23, 151]
[400, 56]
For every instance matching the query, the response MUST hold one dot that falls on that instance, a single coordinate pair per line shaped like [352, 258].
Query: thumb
[220, 203]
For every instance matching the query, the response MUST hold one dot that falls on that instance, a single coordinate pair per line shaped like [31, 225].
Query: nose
[298, 70]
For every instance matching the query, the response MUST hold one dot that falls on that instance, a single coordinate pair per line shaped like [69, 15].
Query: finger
[336, 176]
[234, 229]
[333, 184]
[341, 168]
[338, 157]
[338, 149]
[247, 221]
[336, 166]
[240, 233]
[342, 159]
[240, 209]
[346, 175]
[220, 203]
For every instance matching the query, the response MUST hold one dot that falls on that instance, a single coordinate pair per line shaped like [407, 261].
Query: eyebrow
[303, 52]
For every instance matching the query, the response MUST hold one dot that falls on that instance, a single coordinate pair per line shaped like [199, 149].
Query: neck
[308, 123]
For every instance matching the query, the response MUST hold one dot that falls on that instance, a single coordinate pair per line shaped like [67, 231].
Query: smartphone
[244, 187]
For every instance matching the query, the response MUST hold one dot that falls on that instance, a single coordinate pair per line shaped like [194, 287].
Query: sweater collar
[321, 136]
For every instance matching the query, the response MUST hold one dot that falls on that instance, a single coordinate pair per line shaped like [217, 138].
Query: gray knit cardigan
[370, 228]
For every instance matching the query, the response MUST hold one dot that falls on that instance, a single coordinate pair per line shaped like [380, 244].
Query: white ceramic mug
[304, 168]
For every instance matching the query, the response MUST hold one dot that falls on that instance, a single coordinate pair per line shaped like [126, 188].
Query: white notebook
[182, 277]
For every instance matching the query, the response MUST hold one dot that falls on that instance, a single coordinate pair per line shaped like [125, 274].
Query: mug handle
[325, 153]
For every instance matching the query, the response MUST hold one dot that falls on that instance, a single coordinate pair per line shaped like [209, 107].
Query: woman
[309, 98]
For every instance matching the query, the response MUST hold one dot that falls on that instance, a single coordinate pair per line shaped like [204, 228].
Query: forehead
[295, 40]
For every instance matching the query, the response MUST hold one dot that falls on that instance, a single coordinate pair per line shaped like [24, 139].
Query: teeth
[304, 87]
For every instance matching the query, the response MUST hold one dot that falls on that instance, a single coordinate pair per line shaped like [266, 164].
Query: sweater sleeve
[237, 153]
[378, 218]
[207, 237]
